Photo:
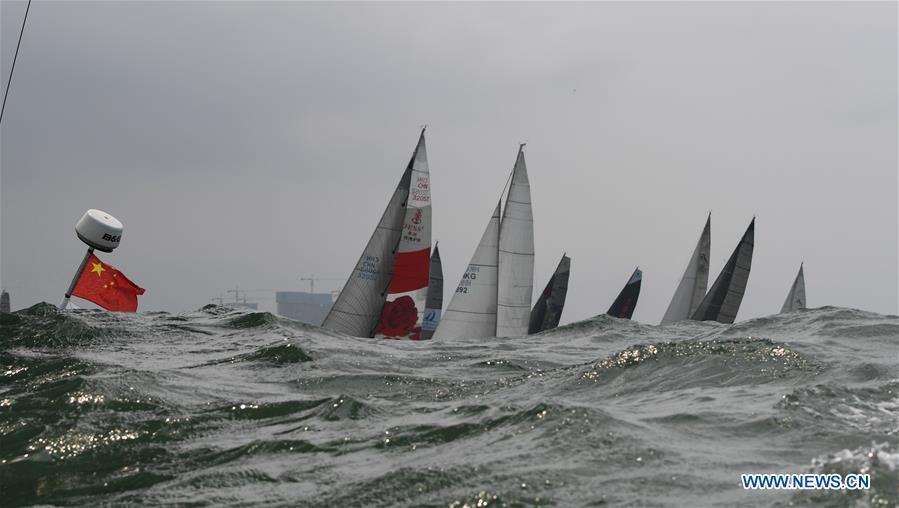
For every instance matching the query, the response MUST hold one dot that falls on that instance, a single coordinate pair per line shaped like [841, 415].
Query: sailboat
[693, 284]
[723, 300]
[548, 310]
[394, 264]
[434, 304]
[796, 297]
[623, 306]
[493, 297]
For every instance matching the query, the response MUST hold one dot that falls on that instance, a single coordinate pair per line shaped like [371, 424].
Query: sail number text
[369, 268]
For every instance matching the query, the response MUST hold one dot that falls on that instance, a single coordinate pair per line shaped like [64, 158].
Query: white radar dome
[99, 230]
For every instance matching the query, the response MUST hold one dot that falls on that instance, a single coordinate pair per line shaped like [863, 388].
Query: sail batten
[724, 298]
[516, 255]
[796, 297]
[692, 287]
[472, 309]
[547, 312]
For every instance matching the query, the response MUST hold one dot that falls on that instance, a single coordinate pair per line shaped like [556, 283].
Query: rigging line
[503, 193]
[511, 173]
[16, 56]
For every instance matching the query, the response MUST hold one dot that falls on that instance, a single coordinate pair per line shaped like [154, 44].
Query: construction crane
[236, 292]
[312, 279]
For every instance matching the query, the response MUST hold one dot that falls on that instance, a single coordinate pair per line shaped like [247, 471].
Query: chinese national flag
[107, 287]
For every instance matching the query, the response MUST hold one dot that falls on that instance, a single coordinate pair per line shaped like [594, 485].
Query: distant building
[4, 302]
[309, 308]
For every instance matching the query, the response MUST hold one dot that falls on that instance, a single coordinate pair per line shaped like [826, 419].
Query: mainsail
[435, 297]
[548, 310]
[472, 309]
[358, 307]
[516, 256]
[623, 306]
[723, 300]
[403, 310]
[693, 284]
[796, 297]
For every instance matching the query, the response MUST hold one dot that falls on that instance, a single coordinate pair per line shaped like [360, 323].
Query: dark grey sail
[358, 307]
[434, 303]
[548, 310]
[723, 301]
[4, 302]
[623, 306]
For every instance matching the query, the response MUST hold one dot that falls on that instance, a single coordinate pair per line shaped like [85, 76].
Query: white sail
[693, 284]
[472, 309]
[401, 316]
[516, 256]
[796, 297]
[358, 307]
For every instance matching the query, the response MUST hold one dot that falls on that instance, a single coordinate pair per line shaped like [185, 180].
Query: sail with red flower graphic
[360, 304]
[401, 317]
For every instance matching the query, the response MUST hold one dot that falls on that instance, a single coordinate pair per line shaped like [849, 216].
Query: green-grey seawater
[227, 407]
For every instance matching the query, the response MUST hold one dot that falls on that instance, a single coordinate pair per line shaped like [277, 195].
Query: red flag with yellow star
[102, 284]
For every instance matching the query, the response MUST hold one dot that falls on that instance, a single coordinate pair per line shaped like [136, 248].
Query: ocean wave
[879, 460]
[230, 406]
[716, 362]
[43, 326]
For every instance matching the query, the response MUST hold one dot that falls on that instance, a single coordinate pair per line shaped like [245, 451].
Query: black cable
[11, 69]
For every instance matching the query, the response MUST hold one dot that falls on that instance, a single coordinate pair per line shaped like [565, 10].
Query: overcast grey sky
[253, 143]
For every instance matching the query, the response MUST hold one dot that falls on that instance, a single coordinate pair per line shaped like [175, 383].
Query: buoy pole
[65, 300]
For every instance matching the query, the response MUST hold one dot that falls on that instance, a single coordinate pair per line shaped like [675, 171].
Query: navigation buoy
[99, 230]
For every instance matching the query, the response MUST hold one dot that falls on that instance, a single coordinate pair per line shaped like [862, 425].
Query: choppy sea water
[228, 407]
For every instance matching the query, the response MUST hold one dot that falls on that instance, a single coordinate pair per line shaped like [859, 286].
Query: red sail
[411, 271]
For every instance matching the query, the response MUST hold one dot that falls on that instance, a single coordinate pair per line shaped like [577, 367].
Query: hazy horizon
[250, 144]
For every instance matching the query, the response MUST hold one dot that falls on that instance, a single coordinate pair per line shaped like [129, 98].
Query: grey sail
[516, 256]
[547, 312]
[4, 302]
[358, 307]
[723, 301]
[472, 309]
[434, 302]
[796, 297]
[693, 284]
